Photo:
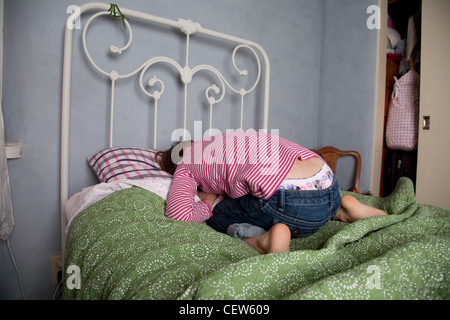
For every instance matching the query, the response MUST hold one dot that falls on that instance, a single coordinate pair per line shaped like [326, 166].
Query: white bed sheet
[90, 195]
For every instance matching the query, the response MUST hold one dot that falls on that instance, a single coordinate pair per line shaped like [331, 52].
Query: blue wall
[322, 93]
[347, 84]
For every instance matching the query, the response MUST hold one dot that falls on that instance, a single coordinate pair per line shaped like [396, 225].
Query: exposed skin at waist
[305, 168]
[300, 169]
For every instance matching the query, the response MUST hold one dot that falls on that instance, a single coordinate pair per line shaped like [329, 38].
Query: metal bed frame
[154, 88]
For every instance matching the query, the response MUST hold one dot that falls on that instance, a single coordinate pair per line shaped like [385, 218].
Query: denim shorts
[303, 211]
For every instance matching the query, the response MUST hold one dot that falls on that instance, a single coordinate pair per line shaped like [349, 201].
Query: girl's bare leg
[352, 210]
[277, 239]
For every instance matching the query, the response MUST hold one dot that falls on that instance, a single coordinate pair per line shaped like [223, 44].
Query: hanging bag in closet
[403, 115]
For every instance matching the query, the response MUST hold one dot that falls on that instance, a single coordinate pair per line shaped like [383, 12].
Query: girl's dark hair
[164, 158]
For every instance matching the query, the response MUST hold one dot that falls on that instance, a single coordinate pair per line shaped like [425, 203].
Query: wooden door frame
[380, 88]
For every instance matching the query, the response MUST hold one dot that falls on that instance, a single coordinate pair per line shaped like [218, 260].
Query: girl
[275, 189]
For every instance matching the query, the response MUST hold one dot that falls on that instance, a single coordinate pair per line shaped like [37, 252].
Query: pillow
[126, 163]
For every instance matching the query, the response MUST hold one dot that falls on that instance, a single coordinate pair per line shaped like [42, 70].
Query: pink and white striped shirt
[235, 163]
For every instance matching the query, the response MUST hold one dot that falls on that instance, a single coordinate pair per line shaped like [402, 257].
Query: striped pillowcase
[126, 163]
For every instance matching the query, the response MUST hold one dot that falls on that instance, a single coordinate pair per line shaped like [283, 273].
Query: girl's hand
[207, 197]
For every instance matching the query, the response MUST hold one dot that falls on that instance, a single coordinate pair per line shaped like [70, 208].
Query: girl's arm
[180, 203]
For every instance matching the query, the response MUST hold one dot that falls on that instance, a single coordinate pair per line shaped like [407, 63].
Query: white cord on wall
[17, 269]
[56, 290]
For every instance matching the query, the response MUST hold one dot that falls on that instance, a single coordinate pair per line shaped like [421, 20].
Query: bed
[119, 245]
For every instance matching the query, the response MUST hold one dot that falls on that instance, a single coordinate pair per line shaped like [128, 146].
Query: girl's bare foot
[352, 210]
[277, 239]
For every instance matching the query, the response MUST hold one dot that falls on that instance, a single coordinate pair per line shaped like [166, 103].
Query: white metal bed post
[114, 77]
[186, 79]
[186, 26]
[65, 116]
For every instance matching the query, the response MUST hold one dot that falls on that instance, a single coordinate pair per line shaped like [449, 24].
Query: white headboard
[154, 88]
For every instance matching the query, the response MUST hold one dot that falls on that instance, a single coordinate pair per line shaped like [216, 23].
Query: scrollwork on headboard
[186, 73]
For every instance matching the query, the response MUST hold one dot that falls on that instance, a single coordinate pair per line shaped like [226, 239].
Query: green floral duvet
[123, 247]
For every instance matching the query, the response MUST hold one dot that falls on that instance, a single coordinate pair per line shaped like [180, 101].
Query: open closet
[401, 113]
